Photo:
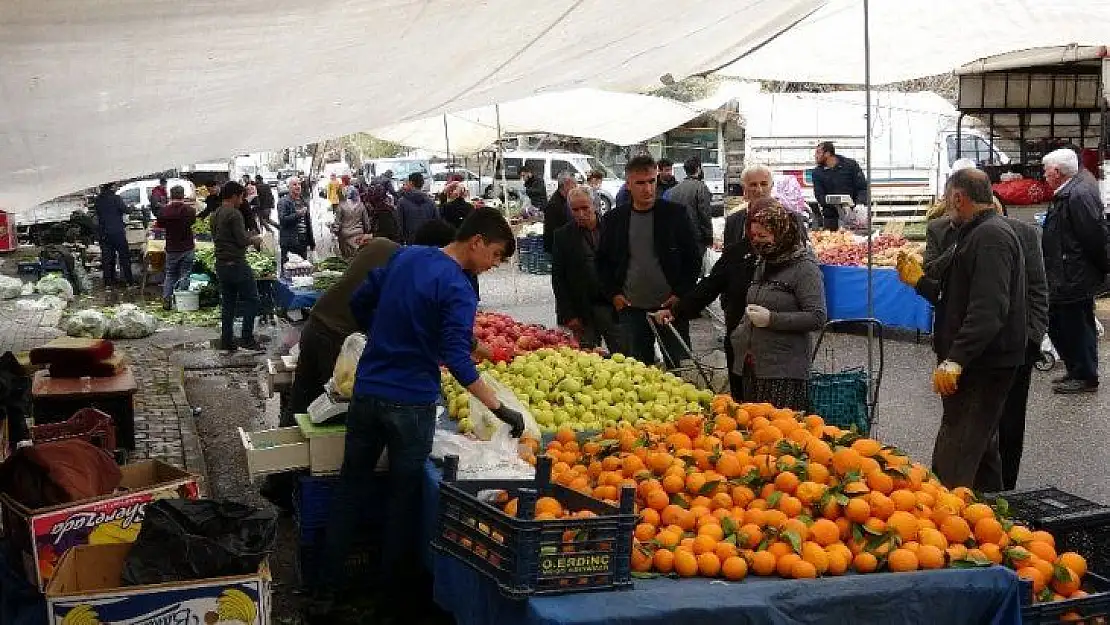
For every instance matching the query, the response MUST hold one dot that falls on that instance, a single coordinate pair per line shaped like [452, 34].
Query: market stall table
[950, 596]
[896, 305]
[57, 399]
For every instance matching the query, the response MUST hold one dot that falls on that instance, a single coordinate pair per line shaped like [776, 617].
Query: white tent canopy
[93, 91]
[620, 118]
[913, 38]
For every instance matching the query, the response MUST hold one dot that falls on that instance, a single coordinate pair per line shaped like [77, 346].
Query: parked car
[441, 172]
[137, 194]
[550, 164]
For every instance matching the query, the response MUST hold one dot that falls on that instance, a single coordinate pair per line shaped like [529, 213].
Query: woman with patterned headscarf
[786, 302]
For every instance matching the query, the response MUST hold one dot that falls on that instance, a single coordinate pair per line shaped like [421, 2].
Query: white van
[137, 194]
[549, 165]
[913, 142]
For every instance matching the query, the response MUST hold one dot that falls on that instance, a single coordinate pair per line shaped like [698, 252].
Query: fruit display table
[950, 596]
[896, 305]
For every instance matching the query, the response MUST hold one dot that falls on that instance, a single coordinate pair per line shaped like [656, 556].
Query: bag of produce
[487, 426]
[343, 375]
[131, 322]
[90, 324]
[55, 284]
[10, 288]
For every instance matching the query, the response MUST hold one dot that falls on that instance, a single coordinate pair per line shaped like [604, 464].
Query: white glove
[758, 315]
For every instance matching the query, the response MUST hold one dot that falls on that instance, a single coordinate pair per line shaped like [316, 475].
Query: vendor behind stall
[419, 311]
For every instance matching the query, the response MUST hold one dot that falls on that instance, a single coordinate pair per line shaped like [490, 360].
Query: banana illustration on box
[114, 533]
[81, 615]
[235, 605]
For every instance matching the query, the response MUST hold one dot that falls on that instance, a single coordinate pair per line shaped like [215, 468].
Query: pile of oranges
[752, 489]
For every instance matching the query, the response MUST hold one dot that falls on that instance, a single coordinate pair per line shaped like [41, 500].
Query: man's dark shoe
[1072, 387]
[167, 304]
[1060, 379]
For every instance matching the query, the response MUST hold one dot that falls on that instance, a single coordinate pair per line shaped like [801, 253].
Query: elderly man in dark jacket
[556, 213]
[980, 332]
[647, 259]
[580, 303]
[941, 235]
[1076, 262]
[296, 223]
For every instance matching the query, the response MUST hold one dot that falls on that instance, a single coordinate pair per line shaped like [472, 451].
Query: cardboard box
[39, 538]
[86, 589]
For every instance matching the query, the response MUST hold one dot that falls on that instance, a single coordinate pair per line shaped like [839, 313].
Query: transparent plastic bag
[55, 284]
[343, 374]
[131, 322]
[496, 459]
[86, 323]
[488, 427]
[10, 288]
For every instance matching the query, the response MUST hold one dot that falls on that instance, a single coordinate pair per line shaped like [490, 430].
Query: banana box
[38, 538]
[87, 590]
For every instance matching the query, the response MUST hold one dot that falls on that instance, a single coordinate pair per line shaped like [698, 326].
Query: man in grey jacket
[695, 196]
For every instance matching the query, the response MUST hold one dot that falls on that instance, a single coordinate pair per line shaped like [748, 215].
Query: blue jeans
[639, 341]
[237, 292]
[372, 425]
[178, 265]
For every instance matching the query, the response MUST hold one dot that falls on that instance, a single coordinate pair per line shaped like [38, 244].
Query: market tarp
[94, 91]
[620, 118]
[916, 39]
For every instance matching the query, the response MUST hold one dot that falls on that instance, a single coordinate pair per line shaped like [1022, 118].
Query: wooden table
[57, 399]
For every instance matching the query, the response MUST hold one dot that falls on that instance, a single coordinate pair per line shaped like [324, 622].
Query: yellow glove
[909, 269]
[945, 378]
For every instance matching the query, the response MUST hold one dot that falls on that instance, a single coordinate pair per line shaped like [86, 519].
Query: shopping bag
[269, 242]
[343, 375]
[488, 427]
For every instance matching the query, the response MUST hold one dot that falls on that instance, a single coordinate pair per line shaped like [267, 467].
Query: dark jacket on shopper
[556, 214]
[794, 291]
[729, 279]
[981, 314]
[536, 191]
[574, 277]
[177, 218]
[111, 214]
[296, 230]
[414, 209]
[1074, 241]
[674, 247]
[455, 211]
[333, 309]
[941, 235]
[844, 178]
[696, 197]
[229, 235]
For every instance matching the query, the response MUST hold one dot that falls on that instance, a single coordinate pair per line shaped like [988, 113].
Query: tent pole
[870, 233]
[505, 197]
[447, 138]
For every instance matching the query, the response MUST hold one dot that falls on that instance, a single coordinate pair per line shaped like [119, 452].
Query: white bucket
[186, 301]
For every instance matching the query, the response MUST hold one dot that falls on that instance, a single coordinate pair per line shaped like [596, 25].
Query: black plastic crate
[1090, 610]
[361, 560]
[525, 556]
[1078, 524]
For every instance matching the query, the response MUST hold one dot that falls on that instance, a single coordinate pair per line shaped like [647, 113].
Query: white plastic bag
[10, 288]
[343, 374]
[55, 284]
[86, 323]
[482, 459]
[487, 425]
[46, 302]
[131, 322]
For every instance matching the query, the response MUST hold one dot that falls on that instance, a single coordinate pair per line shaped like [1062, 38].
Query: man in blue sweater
[418, 311]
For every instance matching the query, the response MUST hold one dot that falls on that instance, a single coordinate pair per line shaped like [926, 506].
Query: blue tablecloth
[950, 596]
[289, 298]
[896, 304]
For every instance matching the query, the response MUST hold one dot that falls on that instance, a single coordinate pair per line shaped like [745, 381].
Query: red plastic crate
[88, 424]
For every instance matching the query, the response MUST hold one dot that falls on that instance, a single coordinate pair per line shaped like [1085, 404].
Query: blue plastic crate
[525, 556]
[312, 502]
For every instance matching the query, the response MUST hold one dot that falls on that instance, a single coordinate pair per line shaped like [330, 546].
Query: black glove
[512, 417]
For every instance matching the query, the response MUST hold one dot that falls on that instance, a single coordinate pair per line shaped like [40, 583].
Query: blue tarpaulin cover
[289, 298]
[896, 304]
[949, 596]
